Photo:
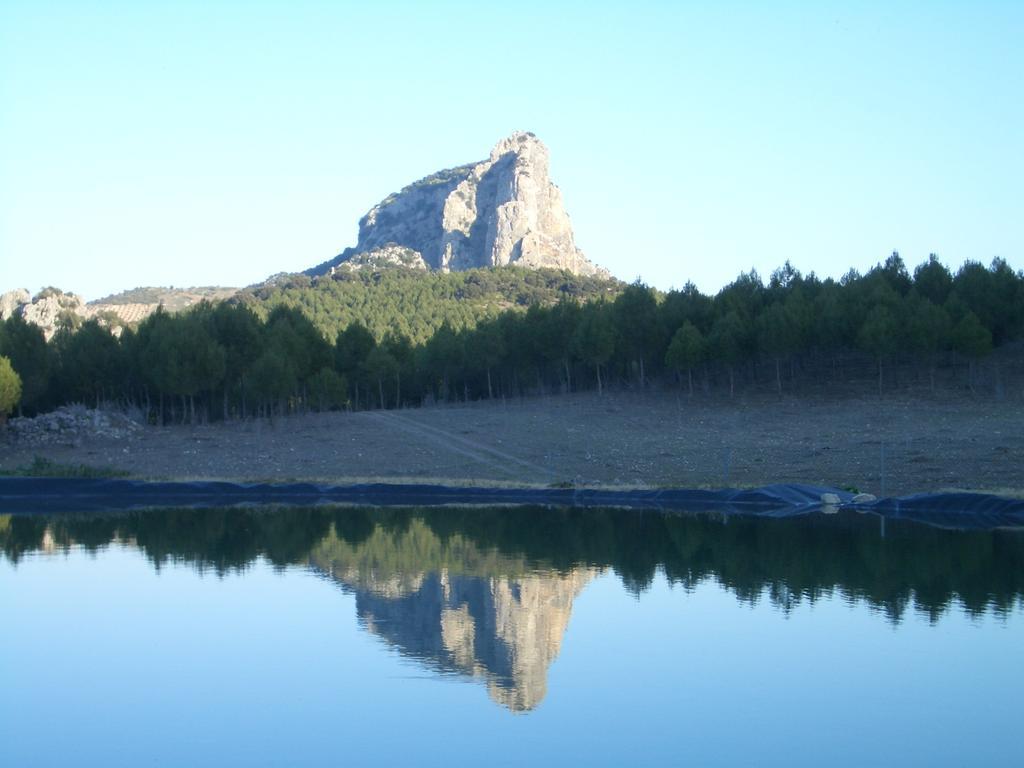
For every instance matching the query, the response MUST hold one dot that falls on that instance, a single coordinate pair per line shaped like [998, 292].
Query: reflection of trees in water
[787, 560]
[488, 593]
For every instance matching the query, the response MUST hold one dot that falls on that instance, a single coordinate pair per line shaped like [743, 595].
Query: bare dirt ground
[884, 446]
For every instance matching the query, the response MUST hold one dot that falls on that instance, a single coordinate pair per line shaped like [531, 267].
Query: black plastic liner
[31, 495]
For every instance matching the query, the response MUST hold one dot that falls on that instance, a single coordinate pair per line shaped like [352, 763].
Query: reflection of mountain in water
[488, 592]
[504, 630]
[464, 617]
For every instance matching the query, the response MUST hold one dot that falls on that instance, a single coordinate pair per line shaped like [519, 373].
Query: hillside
[389, 297]
[415, 303]
[52, 308]
[173, 299]
[456, 246]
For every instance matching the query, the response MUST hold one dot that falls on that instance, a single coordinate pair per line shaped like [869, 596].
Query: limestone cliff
[52, 307]
[48, 309]
[503, 210]
[12, 302]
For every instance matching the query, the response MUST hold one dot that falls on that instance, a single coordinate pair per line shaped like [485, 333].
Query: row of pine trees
[221, 361]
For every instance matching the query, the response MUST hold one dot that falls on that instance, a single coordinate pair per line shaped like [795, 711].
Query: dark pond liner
[32, 495]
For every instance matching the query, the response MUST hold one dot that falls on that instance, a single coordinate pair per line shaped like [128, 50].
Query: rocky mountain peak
[499, 211]
[521, 143]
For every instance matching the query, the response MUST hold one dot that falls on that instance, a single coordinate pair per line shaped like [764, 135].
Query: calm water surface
[506, 637]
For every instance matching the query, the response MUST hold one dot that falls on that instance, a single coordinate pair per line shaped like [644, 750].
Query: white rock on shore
[68, 425]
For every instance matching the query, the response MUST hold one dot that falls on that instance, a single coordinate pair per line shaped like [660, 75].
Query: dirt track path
[471, 449]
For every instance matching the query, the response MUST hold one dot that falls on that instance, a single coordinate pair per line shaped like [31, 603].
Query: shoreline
[888, 447]
[86, 496]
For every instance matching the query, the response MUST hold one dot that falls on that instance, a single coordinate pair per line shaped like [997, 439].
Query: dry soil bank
[891, 445]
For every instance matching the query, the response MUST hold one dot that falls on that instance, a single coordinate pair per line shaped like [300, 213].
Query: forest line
[243, 359]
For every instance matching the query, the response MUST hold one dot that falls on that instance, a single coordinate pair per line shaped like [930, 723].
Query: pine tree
[878, 335]
[10, 389]
[685, 351]
[594, 338]
[972, 340]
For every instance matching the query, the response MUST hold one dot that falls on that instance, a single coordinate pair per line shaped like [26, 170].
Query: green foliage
[238, 331]
[593, 341]
[415, 305]
[441, 359]
[352, 347]
[686, 350]
[895, 274]
[926, 325]
[635, 313]
[777, 333]
[933, 281]
[328, 390]
[378, 366]
[25, 346]
[727, 337]
[48, 292]
[291, 335]
[10, 388]
[89, 361]
[273, 377]
[487, 345]
[43, 467]
[192, 360]
[507, 332]
[995, 296]
[911, 568]
[879, 335]
[970, 338]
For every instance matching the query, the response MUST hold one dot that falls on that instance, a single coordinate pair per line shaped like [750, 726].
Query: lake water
[506, 637]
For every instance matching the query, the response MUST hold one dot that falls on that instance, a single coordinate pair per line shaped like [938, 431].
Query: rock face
[504, 210]
[12, 301]
[51, 306]
[47, 309]
[389, 255]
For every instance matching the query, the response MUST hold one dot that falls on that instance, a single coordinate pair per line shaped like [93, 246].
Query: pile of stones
[68, 425]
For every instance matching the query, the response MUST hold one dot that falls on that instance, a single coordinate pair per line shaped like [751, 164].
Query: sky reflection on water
[511, 636]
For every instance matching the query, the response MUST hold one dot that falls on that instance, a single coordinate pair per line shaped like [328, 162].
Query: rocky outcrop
[69, 425]
[49, 309]
[389, 255]
[503, 210]
[12, 302]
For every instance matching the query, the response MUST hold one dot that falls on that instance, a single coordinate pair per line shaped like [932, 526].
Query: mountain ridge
[501, 211]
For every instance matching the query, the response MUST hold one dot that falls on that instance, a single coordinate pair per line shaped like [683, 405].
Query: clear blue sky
[217, 143]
